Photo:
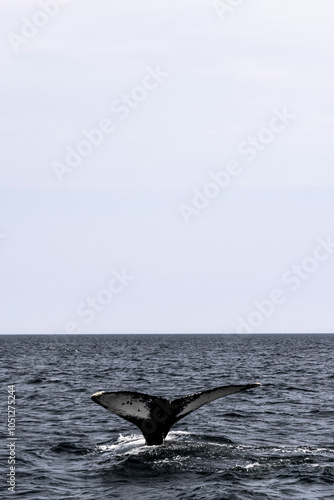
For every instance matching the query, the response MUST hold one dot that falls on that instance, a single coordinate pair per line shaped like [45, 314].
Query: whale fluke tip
[96, 394]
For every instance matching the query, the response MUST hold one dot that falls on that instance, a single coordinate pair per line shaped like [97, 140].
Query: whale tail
[154, 416]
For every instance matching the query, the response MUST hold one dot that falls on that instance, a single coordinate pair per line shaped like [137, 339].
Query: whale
[153, 415]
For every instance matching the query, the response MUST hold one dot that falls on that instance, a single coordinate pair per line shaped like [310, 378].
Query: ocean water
[272, 442]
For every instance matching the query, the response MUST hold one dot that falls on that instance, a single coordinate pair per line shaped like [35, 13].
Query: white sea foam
[250, 466]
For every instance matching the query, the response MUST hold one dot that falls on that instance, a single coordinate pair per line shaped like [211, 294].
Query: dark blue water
[272, 442]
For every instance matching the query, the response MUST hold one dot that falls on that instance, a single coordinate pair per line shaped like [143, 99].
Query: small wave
[66, 447]
[297, 449]
[36, 380]
[299, 389]
[234, 414]
[213, 439]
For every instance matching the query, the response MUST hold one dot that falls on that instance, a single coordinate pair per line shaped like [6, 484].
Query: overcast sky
[166, 166]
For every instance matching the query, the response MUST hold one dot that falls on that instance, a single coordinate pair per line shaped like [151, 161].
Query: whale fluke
[154, 416]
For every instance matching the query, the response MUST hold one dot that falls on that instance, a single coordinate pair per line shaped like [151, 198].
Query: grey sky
[182, 96]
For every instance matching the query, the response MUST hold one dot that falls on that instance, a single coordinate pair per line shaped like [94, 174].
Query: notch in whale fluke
[154, 416]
